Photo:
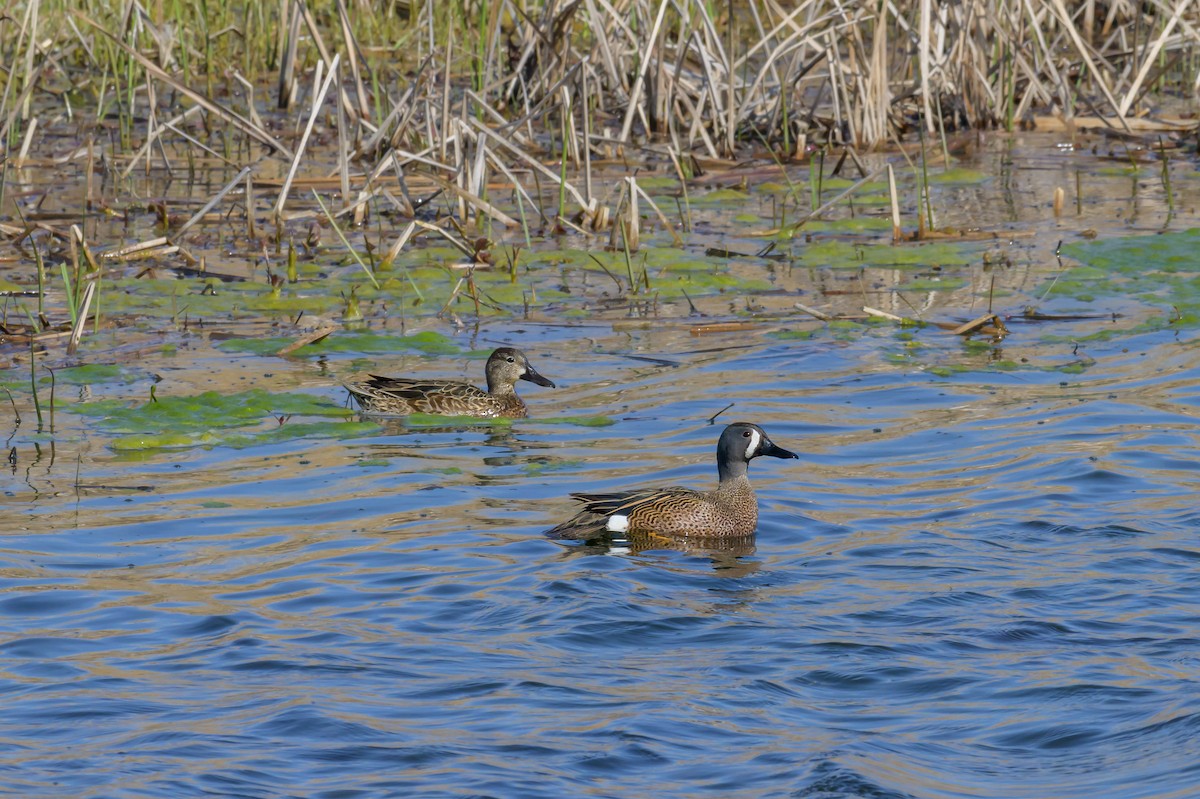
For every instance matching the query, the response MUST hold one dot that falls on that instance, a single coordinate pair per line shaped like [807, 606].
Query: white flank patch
[755, 438]
[617, 524]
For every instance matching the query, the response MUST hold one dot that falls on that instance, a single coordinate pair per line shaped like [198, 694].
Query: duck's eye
[746, 434]
[512, 360]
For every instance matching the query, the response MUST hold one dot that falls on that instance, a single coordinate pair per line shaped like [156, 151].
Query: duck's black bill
[532, 376]
[769, 448]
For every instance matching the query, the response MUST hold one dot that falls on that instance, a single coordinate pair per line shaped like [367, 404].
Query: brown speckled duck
[729, 511]
[402, 395]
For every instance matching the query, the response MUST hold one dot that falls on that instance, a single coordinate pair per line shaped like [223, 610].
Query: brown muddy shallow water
[978, 580]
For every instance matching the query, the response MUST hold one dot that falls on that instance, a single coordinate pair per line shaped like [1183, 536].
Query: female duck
[402, 395]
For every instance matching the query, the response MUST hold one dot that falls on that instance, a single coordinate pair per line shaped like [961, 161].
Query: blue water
[981, 579]
[981, 585]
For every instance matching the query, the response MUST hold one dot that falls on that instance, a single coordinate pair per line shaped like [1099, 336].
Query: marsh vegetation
[290, 173]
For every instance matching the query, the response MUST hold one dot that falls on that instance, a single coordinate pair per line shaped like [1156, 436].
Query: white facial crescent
[752, 447]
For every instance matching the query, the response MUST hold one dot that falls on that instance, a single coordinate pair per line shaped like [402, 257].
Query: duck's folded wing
[591, 522]
[625, 502]
[407, 388]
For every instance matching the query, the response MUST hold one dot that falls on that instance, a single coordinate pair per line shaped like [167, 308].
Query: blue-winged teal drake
[730, 510]
[404, 395]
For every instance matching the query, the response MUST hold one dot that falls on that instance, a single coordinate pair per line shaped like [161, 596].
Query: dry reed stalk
[154, 136]
[77, 331]
[288, 85]
[251, 107]
[409, 208]
[318, 101]
[925, 60]
[586, 119]
[20, 103]
[232, 117]
[813, 312]
[730, 84]
[419, 158]
[26, 142]
[897, 231]
[353, 55]
[1096, 75]
[315, 32]
[640, 79]
[134, 251]
[516, 184]
[343, 142]
[1149, 56]
[208, 206]
[445, 99]
[666, 223]
[81, 244]
[199, 145]
[311, 337]
[869, 311]
[458, 167]
[249, 203]
[29, 25]
[537, 165]
[630, 230]
[473, 200]
[988, 319]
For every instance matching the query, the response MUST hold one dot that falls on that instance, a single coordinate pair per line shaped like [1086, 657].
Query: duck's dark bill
[533, 377]
[776, 452]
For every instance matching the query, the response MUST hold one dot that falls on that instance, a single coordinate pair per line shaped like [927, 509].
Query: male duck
[730, 510]
[403, 395]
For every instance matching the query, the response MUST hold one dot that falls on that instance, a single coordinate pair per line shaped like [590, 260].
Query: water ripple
[974, 586]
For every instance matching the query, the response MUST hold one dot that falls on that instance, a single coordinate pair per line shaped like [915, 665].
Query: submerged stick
[813, 312]
[713, 418]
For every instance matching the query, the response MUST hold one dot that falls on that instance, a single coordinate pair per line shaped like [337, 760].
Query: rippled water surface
[976, 583]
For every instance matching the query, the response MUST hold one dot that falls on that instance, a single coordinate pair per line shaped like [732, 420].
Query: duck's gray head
[740, 443]
[507, 365]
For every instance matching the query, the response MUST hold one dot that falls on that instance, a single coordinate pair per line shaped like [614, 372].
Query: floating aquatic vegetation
[720, 196]
[854, 224]
[976, 357]
[958, 175]
[1160, 270]
[842, 254]
[933, 284]
[794, 335]
[580, 421]
[215, 418]
[207, 297]
[427, 342]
